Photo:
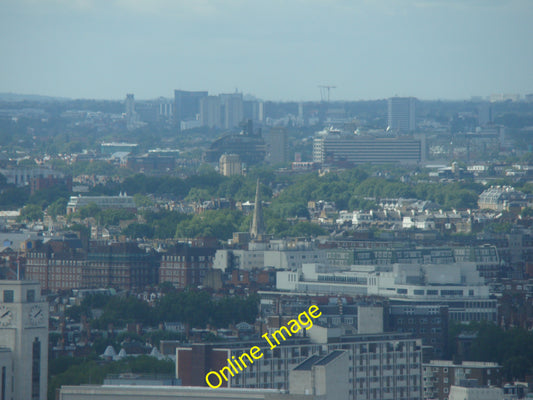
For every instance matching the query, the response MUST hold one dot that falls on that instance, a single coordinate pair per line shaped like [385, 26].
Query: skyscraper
[402, 114]
[131, 116]
[210, 111]
[230, 164]
[232, 109]
[279, 150]
[187, 105]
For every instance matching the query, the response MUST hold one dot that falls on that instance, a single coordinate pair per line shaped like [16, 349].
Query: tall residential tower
[402, 114]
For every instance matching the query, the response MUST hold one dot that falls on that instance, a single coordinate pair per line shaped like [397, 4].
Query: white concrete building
[457, 284]
[475, 393]
[120, 201]
[277, 254]
[327, 376]
[23, 334]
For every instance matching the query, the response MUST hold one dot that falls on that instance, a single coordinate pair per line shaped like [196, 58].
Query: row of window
[9, 296]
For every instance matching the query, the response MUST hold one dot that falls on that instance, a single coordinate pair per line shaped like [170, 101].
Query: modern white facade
[475, 393]
[342, 148]
[418, 281]
[457, 284]
[275, 254]
[120, 201]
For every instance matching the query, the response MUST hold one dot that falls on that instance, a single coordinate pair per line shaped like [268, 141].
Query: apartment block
[381, 366]
[440, 375]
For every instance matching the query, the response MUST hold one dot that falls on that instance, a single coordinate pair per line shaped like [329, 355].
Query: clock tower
[24, 331]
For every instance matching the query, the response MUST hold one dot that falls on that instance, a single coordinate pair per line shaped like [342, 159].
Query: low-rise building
[440, 375]
[383, 365]
[502, 198]
[103, 202]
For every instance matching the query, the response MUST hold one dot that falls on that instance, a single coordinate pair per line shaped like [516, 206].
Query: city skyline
[428, 49]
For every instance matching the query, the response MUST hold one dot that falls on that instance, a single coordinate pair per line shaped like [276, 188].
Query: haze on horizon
[275, 49]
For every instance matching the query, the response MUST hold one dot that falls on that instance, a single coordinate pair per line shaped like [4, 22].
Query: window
[3, 394]
[8, 296]
[36, 370]
[30, 296]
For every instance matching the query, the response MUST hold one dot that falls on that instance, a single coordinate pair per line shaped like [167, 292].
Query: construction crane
[325, 91]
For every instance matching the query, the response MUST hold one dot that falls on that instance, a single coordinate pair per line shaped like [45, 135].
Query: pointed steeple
[258, 229]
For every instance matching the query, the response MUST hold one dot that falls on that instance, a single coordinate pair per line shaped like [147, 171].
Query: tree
[139, 231]
[31, 213]
[90, 210]
[58, 207]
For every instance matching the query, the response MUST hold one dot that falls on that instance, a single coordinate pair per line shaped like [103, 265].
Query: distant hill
[29, 97]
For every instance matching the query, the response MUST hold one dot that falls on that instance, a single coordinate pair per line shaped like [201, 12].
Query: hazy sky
[273, 49]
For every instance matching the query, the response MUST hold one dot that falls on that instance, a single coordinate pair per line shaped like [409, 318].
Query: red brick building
[64, 265]
[186, 265]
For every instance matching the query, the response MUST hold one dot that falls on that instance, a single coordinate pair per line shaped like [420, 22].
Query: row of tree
[513, 348]
[195, 308]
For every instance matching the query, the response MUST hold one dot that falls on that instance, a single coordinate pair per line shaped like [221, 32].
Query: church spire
[257, 231]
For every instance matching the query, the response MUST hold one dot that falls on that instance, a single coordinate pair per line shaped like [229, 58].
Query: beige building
[230, 164]
[23, 340]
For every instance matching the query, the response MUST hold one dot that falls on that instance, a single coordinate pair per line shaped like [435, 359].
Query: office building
[110, 148]
[486, 257]
[457, 285]
[129, 112]
[401, 114]
[23, 341]
[249, 145]
[277, 254]
[231, 110]
[428, 322]
[344, 149]
[278, 146]
[210, 111]
[103, 202]
[187, 106]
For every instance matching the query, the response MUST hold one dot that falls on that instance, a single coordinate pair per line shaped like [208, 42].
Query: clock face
[6, 316]
[36, 315]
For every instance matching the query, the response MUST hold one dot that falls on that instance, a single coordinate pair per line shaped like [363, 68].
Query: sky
[272, 49]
